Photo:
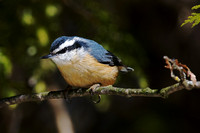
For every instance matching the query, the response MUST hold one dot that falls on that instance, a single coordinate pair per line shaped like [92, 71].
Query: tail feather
[125, 69]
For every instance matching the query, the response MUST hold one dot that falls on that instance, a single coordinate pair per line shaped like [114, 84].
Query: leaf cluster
[194, 18]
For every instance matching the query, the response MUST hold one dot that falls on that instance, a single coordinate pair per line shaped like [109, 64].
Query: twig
[183, 83]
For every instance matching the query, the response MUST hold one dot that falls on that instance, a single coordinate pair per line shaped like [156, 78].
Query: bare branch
[183, 83]
[108, 90]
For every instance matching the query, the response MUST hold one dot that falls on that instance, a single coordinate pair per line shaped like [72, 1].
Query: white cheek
[63, 59]
[68, 57]
[81, 52]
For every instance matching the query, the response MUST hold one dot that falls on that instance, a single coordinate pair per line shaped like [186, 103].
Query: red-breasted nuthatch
[84, 63]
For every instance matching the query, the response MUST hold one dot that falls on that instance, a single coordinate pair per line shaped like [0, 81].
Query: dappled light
[42, 36]
[32, 50]
[51, 10]
[40, 87]
[27, 17]
[6, 65]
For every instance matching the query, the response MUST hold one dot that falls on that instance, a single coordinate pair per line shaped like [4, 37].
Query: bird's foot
[65, 94]
[92, 90]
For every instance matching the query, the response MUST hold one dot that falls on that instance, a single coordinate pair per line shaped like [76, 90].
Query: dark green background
[139, 32]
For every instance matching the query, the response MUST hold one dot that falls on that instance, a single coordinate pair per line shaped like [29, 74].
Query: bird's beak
[46, 56]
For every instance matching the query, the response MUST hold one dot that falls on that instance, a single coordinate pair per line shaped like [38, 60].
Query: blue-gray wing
[102, 55]
[98, 52]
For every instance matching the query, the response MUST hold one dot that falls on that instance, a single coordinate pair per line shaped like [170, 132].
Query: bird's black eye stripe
[76, 45]
[62, 51]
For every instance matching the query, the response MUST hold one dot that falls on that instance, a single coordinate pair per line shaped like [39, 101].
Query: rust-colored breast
[88, 71]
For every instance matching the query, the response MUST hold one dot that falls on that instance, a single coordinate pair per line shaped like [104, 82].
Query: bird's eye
[62, 51]
[76, 45]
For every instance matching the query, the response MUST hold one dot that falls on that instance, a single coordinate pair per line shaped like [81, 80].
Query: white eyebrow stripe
[67, 43]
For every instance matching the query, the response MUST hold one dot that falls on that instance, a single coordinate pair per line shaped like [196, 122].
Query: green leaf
[194, 18]
[197, 20]
[195, 7]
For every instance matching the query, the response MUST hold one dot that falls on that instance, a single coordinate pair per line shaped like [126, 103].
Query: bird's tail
[125, 69]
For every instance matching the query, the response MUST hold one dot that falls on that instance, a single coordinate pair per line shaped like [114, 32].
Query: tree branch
[183, 83]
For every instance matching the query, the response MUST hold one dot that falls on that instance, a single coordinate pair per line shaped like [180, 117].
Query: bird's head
[64, 49]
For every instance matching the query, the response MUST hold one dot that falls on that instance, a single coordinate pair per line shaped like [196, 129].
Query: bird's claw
[65, 94]
[92, 90]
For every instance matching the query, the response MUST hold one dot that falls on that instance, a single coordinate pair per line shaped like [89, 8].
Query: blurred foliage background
[139, 32]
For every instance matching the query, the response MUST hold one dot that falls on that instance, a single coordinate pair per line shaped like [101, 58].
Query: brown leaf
[174, 64]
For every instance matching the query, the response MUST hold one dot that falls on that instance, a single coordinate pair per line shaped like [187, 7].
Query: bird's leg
[92, 90]
[66, 92]
[93, 87]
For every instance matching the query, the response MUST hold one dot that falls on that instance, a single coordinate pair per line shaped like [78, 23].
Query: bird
[85, 63]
